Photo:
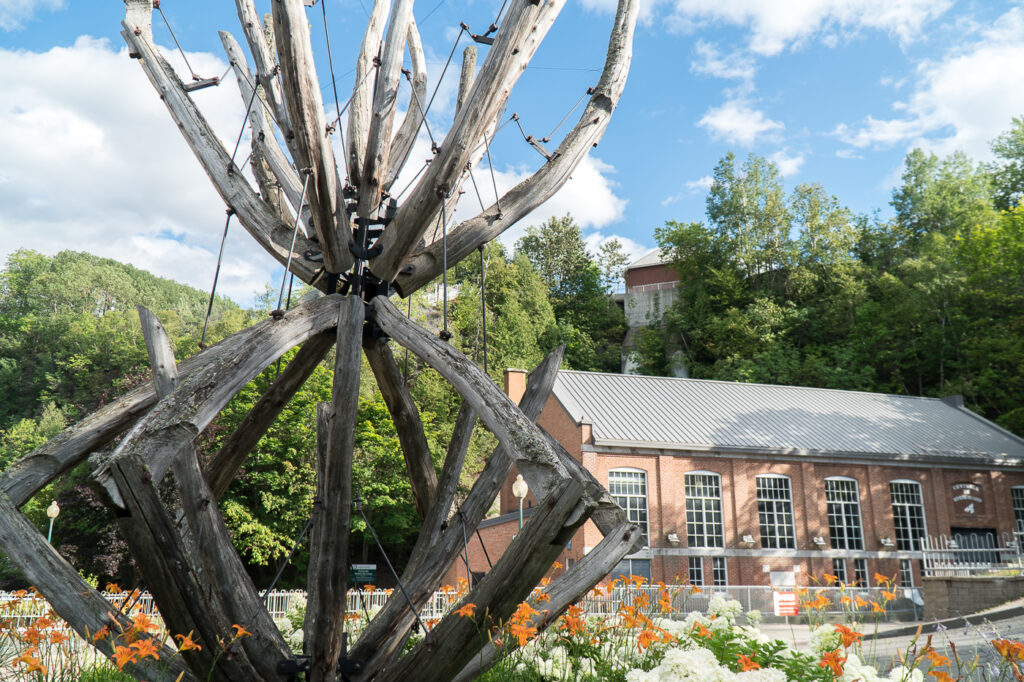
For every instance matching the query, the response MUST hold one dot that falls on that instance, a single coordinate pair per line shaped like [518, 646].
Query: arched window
[629, 489]
[703, 509]
[775, 511]
[907, 514]
[842, 499]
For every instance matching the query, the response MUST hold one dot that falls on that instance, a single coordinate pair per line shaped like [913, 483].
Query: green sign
[362, 574]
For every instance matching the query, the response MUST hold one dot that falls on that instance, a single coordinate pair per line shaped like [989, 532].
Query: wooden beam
[161, 355]
[360, 108]
[263, 136]
[511, 427]
[81, 606]
[184, 601]
[217, 563]
[406, 417]
[236, 447]
[453, 642]
[464, 239]
[466, 76]
[523, 28]
[262, 51]
[176, 421]
[332, 510]
[385, 101]
[438, 545]
[563, 592]
[309, 131]
[256, 215]
[402, 145]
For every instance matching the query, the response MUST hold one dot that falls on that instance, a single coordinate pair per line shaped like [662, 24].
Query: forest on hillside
[796, 289]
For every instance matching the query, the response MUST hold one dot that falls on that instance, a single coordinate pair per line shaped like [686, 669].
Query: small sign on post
[362, 574]
[785, 604]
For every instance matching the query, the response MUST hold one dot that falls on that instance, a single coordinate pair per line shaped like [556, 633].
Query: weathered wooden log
[219, 567]
[262, 51]
[453, 642]
[562, 592]
[462, 240]
[438, 545]
[184, 600]
[263, 138]
[332, 510]
[236, 447]
[360, 108]
[522, 30]
[161, 355]
[466, 76]
[176, 421]
[258, 217]
[402, 144]
[81, 606]
[309, 132]
[406, 417]
[385, 101]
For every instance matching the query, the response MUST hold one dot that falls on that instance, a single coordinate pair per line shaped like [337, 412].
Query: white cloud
[93, 162]
[609, 7]
[959, 102]
[13, 13]
[634, 250]
[738, 123]
[702, 184]
[710, 62]
[774, 27]
[787, 165]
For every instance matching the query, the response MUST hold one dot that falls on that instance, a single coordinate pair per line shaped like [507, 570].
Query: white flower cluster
[725, 608]
[857, 671]
[695, 665]
[559, 665]
[825, 639]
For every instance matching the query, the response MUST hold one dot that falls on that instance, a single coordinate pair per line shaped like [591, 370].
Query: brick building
[748, 484]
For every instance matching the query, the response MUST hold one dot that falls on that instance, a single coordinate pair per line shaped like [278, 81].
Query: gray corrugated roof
[652, 257]
[664, 412]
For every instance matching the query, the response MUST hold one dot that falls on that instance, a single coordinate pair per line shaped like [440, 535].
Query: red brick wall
[652, 274]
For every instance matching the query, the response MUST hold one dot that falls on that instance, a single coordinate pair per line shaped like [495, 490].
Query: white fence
[973, 554]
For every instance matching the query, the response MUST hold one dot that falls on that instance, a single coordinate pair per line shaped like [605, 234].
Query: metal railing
[973, 555]
[656, 286]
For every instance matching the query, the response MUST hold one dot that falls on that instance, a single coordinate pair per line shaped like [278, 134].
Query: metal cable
[241, 131]
[440, 80]
[216, 276]
[483, 308]
[156, 6]
[284, 564]
[295, 232]
[334, 82]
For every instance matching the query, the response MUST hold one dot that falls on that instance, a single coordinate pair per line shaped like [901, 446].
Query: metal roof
[652, 257]
[694, 414]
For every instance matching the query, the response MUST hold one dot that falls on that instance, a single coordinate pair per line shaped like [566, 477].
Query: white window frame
[924, 517]
[792, 517]
[1018, 512]
[833, 540]
[719, 564]
[645, 526]
[866, 581]
[695, 569]
[839, 570]
[705, 538]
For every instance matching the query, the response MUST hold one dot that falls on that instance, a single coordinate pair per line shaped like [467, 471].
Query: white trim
[860, 514]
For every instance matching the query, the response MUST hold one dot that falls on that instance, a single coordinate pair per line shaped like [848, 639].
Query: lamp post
[520, 490]
[52, 511]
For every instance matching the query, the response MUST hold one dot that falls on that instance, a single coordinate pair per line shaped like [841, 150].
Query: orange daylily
[646, 638]
[833, 661]
[466, 611]
[240, 631]
[832, 580]
[147, 648]
[876, 607]
[849, 635]
[123, 656]
[702, 631]
[1009, 649]
[747, 664]
[522, 632]
[936, 659]
[941, 676]
[185, 643]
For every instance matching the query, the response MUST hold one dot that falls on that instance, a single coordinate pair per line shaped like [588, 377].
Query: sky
[832, 91]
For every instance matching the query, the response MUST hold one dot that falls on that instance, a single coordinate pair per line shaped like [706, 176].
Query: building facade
[746, 484]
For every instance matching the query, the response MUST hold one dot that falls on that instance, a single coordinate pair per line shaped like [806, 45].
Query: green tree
[1008, 169]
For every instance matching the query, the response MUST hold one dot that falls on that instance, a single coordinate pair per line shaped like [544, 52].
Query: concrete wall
[950, 597]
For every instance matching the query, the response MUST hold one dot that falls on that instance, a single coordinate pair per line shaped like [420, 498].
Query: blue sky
[834, 91]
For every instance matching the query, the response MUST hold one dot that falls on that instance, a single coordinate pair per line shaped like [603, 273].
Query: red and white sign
[785, 604]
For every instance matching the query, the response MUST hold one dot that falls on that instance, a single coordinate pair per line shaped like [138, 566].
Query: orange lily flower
[833, 661]
[849, 635]
[466, 611]
[747, 664]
